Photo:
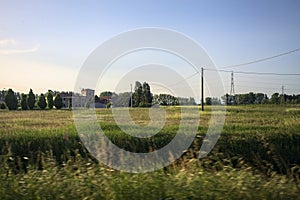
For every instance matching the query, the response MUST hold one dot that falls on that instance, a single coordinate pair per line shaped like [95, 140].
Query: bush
[11, 100]
[50, 100]
[108, 105]
[30, 100]
[58, 102]
[42, 102]
[2, 105]
[24, 102]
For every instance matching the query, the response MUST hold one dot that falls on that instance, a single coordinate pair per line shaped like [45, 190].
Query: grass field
[256, 157]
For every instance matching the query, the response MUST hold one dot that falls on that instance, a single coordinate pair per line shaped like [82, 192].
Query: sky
[44, 44]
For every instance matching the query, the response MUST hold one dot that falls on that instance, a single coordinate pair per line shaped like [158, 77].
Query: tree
[2, 105]
[42, 102]
[50, 99]
[97, 99]
[297, 98]
[282, 98]
[142, 96]
[11, 100]
[275, 98]
[23, 103]
[251, 98]
[106, 94]
[137, 95]
[146, 100]
[208, 100]
[30, 100]
[70, 104]
[121, 100]
[168, 100]
[58, 101]
[265, 100]
[259, 98]
[226, 99]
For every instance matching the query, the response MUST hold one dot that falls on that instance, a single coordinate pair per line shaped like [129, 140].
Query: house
[66, 98]
[101, 102]
[86, 98]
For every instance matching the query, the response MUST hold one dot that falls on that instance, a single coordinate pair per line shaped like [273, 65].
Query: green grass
[256, 157]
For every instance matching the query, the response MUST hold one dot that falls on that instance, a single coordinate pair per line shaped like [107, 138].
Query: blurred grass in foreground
[256, 157]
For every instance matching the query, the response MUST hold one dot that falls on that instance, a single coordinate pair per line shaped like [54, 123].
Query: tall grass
[257, 156]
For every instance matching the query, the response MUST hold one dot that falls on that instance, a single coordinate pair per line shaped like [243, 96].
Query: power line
[255, 73]
[269, 78]
[261, 60]
[186, 78]
[247, 63]
[267, 82]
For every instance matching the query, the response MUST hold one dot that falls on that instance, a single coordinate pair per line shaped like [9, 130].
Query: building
[66, 98]
[88, 93]
[85, 99]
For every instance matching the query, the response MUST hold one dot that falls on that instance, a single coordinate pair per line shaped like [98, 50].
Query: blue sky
[44, 44]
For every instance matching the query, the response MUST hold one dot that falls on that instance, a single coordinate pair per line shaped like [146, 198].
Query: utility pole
[202, 89]
[282, 94]
[130, 95]
[232, 92]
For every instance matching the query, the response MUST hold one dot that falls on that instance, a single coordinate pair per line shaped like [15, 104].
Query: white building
[78, 100]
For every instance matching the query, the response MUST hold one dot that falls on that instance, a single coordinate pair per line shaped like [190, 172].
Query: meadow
[256, 157]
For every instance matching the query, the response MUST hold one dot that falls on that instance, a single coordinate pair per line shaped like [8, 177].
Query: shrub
[42, 102]
[11, 100]
[2, 105]
[30, 100]
[24, 102]
[58, 102]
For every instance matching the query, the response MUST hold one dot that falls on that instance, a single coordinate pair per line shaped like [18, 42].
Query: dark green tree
[106, 94]
[297, 98]
[208, 100]
[275, 98]
[58, 101]
[30, 100]
[50, 99]
[167, 100]
[259, 98]
[11, 100]
[23, 102]
[2, 105]
[142, 96]
[251, 98]
[265, 100]
[137, 95]
[70, 104]
[147, 97]
[42, 102]
[97, 99]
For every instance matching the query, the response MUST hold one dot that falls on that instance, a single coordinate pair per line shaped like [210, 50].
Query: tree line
[254, 98]
[142, 97]
[30, 101]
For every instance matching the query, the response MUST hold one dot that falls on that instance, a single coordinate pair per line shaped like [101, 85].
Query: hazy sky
[44, 44]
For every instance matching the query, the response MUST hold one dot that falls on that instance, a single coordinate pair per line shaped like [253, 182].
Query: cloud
[19, 51]
[11, 46]
[7, 42]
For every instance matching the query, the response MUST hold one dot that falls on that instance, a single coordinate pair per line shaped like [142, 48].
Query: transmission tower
[232, 92]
